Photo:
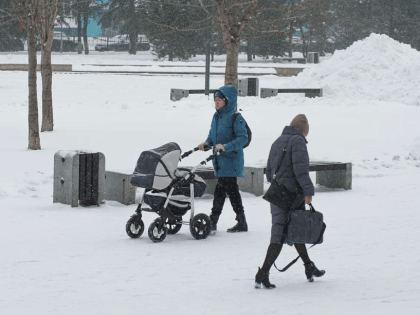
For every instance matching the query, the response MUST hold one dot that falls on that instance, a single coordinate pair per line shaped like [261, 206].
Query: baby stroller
[169, 192]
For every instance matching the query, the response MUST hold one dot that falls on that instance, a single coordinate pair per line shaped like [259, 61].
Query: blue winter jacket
[231, 162]
[294, 169]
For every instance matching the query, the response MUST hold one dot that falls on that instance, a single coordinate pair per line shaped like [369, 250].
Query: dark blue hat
[220, 95]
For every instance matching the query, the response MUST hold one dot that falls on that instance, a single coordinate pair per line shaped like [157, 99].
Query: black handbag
[305, 226]
[279, 195]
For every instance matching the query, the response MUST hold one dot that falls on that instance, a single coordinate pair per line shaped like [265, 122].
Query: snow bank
[376, 68]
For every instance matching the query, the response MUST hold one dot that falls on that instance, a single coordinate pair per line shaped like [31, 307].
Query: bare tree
[232, 17]
[48, 15]
[28, 13]
[38, 16]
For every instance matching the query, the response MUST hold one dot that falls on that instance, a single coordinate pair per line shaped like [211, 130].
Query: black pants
[229, 186]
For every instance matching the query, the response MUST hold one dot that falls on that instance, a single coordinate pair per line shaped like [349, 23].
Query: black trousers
[227, 186]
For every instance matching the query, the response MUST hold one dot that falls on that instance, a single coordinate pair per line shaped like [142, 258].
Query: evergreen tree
[11, 34]
[125, 13]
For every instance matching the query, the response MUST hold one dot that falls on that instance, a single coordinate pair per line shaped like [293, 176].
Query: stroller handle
[211, 157]
[206, 148]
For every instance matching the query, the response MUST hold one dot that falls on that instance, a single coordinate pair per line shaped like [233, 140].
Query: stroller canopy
[156, 168]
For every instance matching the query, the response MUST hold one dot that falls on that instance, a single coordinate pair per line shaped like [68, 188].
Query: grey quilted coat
[294, 169]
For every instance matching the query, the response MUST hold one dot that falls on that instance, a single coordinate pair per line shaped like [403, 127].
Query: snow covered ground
[61, 260]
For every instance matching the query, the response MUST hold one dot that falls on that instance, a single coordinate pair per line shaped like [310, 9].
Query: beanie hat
[300, 122]
[220, 95]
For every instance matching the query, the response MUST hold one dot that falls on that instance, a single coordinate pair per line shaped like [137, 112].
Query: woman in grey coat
[294, 175]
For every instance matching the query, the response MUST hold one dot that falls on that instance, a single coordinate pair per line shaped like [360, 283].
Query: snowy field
[62, 260]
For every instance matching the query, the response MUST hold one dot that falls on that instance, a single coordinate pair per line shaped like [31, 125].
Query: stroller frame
[168, 222]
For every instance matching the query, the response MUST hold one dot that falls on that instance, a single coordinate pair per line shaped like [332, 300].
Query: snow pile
[376, 68]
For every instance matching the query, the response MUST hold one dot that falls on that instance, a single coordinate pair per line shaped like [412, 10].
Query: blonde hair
[301, 122]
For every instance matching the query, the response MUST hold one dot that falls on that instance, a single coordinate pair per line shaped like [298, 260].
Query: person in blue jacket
[230, 163]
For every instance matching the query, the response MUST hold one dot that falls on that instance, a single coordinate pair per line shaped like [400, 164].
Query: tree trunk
[391, 20]
[46, 37]
[249, 50]
[85, 25]
[231, 72]
[231, 26]
[79, 33]
[34, 142]
[171, 56]
[132, 50]
[304, 46]
[47, 103]
[133, 43]
[291, 27]
[291, 32]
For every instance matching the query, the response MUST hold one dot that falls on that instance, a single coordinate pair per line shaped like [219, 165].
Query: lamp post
[207, 77]
[61, 43]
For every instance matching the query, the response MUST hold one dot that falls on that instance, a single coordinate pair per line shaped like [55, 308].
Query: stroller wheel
[173, 228]
[155, 234]
[134, 227]
[200, 226]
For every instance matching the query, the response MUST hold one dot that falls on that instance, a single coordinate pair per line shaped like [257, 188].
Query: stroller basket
[156, 200]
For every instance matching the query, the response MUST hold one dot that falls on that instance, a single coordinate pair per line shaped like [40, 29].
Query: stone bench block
[336, 178]
[313, 57]
[178, 94]
[248, 87]
[253, 182]
[118, 188]
[264, 93]
[66, 177]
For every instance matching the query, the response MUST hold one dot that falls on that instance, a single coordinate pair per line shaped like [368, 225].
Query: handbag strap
[282, 156]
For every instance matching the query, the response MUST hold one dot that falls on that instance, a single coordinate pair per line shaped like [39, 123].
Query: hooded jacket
[294, 168]
[231, 162]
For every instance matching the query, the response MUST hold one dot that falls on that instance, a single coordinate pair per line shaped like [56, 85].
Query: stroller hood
[156, 168]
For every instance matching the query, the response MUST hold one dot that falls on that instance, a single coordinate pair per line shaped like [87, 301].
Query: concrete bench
[332, 174]
[328, 174]
[264, 92]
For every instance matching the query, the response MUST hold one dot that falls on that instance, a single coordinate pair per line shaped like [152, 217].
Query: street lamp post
[61, 43]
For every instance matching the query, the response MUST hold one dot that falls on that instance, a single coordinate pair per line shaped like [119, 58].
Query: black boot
[241, 226]
[262, 278]
[312, 271]
[214, 219]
